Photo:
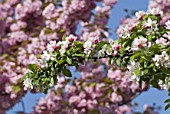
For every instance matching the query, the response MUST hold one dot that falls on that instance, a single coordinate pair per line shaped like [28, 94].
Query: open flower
[46, 56]
[162, 41]
[52, 46]
[140, 14]
[27, 84]
[71, 38]
[161, 60]
[150, 23]
[132, 67]
[64, 46]
[156, 11]
[138, 43]
[167, 24]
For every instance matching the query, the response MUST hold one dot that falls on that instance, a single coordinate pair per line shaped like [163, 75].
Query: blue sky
[149, 97]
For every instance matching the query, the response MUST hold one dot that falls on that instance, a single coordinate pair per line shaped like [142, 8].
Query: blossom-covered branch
[140, 48]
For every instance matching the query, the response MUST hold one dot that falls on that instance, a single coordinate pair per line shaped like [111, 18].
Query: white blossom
[164, 54]
[162, 60]
[45, 56]
[87, 51]
[51, 45]
[164, 84]
[139, 14]
[151, 23]
[104, 51]
[64, 46]
[162, 41]
[157, 59]
[27, 84]
[93, 38]
[90, 44]
[71, 38]
[125, 32]
[138, 43]
[101, 53]
[155, 11]
[167, 24]
[132, 67]
[87, 45]
[43, 63]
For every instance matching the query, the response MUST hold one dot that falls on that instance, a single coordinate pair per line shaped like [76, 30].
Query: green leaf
[167, 106]
[92, 84]
[61, 61]
[68, 52]
[151, 65]
[78, 43]
[137, 72]
[150, 38]
[76, 65]
[32, 67]
[69, 60]
[109, 60]
[64, 37]
[126, 43]
[147, 57]
[16, 89]
[94, 111]
[5, 55]
[100, 44]
[66, 72]
[118, 61]
[79, 55]
[164, 70]
[136, 55]
[36, 82]
[166, 101]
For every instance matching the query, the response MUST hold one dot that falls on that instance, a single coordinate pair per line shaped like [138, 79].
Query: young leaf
[167, 106]
[64, 37]
[137, 72]
[66, 72]
[100, 44]
[118, 61]
[164, 70]
[166, 101]
[69, 60]
[16, 89]
[32, 67]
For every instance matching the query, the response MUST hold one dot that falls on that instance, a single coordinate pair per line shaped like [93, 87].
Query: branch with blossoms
[142, 47]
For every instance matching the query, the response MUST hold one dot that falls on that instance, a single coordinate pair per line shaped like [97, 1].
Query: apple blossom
[27, 84]
[167, 24]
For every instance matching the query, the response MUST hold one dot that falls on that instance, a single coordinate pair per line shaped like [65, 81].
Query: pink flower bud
[55, 47]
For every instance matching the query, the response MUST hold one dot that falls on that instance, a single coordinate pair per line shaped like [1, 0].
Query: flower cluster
[162, 60]
[90, 44]
[134, 52]
[147, 44]
[97, 92]
[26, 27]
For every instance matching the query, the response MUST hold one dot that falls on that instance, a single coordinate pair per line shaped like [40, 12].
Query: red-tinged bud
[117, 47]
[139, 45]
[71, 40]
[34, 90]
[72, 45]
[95, 41]
[147, 43]
[115, 53]
[132, 27]
[144, 26]
[55, 47]
[39, 65]
[140, 18]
